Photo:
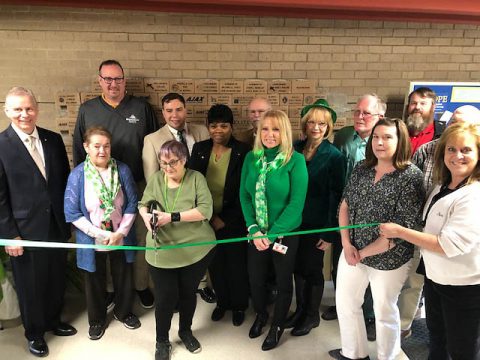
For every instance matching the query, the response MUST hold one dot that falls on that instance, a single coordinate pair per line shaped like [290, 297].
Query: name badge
[280, 248]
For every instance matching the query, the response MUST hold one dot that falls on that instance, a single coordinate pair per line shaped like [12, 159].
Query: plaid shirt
[424, 160]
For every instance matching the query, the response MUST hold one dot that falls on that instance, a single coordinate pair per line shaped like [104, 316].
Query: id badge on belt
[279, 247]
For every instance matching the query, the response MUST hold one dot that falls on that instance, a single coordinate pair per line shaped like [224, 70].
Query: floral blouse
[397, 197]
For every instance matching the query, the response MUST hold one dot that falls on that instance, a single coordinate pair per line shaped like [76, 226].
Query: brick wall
[58, 49]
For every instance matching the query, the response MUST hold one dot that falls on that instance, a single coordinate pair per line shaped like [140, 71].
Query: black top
[231, 210]
[128, 123]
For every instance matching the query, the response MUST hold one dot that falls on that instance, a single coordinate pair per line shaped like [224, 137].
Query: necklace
[179, 190]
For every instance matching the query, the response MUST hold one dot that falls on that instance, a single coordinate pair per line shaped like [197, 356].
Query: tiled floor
[220, 340]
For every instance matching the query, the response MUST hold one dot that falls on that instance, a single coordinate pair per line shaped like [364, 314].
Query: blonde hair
[441, 174]
[318, 113]
[286, 147]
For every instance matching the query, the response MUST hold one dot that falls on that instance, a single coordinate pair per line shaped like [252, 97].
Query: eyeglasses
[312, 123]
[171, 163]
[109, 80]
[364, 114]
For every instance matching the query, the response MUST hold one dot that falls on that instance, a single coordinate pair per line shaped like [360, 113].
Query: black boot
[272, 339]
[257, 327]
[299, 314]
[312, 318]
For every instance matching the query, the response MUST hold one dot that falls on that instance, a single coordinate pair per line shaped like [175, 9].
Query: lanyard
[167, 208]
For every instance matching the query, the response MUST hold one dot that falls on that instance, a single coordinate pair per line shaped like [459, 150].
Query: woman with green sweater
[182, 204]
[272, 194]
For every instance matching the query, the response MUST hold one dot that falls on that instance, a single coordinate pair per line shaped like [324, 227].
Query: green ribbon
[47, 244]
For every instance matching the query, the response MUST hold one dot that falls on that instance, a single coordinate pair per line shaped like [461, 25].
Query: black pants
[258, 267]
[40, 283]
[95, 286]
[228, 272]
[453, 320]
[177, 286]
[309, 263]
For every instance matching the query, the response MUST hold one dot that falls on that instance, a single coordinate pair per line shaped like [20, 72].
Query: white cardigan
[455, 218]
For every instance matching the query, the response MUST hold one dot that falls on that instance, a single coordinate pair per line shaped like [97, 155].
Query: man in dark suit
[33, 174]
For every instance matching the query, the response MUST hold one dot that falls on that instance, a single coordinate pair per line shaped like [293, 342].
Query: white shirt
[26, 139]
[455, 219]
[187, 136]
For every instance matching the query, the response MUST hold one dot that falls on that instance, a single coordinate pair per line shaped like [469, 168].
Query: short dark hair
[220, 113]
[402, 155]
[110, 62]
[173, 147]
[423, 92]
[96, 130]
[173, 96]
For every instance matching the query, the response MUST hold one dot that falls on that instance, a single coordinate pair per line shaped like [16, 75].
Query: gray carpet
[416, 346]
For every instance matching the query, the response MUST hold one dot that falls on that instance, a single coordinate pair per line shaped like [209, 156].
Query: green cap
[321, 103]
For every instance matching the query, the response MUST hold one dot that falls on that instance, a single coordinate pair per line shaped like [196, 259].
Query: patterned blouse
[397, 197]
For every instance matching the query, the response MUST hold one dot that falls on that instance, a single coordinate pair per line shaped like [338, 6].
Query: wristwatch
[175, 216]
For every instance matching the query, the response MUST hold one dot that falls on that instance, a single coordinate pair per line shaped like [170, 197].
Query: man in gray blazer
[176, 128]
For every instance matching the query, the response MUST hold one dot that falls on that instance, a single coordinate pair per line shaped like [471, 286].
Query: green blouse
[216, 174]
[286, 189]
[193, 194]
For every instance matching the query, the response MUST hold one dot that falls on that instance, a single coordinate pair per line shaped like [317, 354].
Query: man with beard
[420, 121]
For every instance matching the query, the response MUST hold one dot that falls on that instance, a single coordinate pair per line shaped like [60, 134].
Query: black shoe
[330, 314]
[310, 322]
[257, 327]
[130, 321]
[190, 341]
[64, 329]
[238, 316]
[163, 350]
[96, 331]
[110, 300]
[337, 354]
[218, 313]
[371, 330]
[146, 298]
[38, 347]
[207, 295]
[272, 339]
[295, 319]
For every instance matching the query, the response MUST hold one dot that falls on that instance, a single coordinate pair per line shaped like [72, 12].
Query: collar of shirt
[175, 131]
[358, 138]
[24, 136]
[109, 102]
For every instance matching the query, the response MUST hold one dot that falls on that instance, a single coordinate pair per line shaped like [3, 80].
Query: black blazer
[27, 200]
[231, 213]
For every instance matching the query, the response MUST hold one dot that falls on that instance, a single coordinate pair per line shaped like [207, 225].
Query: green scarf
[106, 192]
[264, 166]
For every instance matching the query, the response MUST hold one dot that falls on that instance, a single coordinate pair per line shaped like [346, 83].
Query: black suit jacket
[231, 213]
[27, 200]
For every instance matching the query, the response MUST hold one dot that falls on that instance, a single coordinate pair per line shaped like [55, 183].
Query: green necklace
[167, 208]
